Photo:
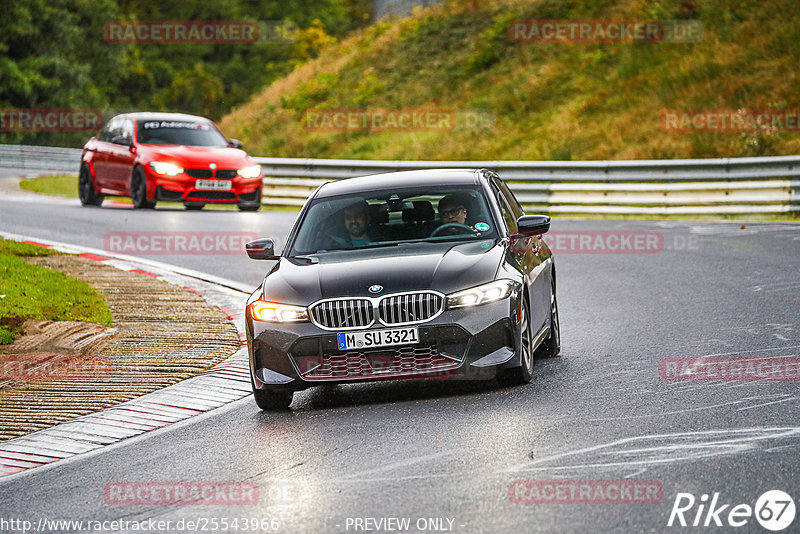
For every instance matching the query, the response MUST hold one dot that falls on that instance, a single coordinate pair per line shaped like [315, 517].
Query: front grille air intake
[211, 195]
[411, 362]
[225, 174]
[343, 313]
[410, 307]
[199, 173]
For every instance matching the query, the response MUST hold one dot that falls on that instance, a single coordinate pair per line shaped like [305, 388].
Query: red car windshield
[165, 132]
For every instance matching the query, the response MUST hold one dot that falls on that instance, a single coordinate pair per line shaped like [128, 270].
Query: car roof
[157, 116]
[399, 180]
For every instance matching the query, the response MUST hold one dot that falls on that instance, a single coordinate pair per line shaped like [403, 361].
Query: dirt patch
[13, 323]
[55, 350]
[66, 337]
[162, 334]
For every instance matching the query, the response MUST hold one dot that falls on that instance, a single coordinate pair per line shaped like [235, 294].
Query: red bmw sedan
[170, 157]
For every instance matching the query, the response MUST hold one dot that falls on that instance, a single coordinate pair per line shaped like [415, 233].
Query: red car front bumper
[183, 188]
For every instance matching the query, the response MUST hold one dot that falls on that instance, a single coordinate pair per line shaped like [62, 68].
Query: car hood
[444, 267]
[190, 157]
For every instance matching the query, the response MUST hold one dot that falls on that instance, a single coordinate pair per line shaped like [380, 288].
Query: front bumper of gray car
[468, 343]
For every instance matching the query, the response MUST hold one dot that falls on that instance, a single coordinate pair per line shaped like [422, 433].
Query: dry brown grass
[551, 101]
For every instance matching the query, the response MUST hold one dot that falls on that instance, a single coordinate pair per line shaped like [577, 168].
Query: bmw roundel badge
[376, 288]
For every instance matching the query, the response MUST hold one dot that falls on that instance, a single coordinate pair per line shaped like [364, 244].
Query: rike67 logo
[774, 510]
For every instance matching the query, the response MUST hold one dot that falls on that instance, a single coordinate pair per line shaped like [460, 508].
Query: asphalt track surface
[451, 449]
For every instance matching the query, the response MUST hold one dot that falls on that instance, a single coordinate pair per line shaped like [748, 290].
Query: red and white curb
[224, 383]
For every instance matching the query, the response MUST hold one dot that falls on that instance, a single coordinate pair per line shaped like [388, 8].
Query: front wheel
[551, 346]
[272, 400]
[139, 190]
[517, 376]
[86, 188]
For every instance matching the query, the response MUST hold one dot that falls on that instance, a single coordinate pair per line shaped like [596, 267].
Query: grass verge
[32, 292]
[62, 186]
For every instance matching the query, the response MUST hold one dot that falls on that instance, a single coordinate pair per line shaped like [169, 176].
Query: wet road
[444, 455]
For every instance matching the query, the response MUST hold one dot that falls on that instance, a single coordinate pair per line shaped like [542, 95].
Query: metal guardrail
[40, 158]
[647, 187]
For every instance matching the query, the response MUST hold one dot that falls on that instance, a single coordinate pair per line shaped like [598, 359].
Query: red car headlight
[250, 172]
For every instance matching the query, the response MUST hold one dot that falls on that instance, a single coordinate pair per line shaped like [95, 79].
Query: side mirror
[533, 224]
[234, 143]
[261, 249]
[122, 140]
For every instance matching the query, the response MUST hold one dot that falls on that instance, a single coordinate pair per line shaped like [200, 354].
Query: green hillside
[554, 100]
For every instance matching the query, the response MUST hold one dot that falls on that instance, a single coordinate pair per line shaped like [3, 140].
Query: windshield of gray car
[387, 218]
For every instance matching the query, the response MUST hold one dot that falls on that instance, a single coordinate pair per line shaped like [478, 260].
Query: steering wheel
[335, 240]
[455, 228]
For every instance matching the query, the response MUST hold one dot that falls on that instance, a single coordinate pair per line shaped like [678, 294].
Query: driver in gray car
[453, 214]
[453, 209]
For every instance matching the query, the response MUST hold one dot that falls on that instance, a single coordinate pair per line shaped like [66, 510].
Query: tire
[551, 346]
[517, 376]
[269, 400]
[139, 190]
[192, 206]
[255, 206]
[86, 188]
